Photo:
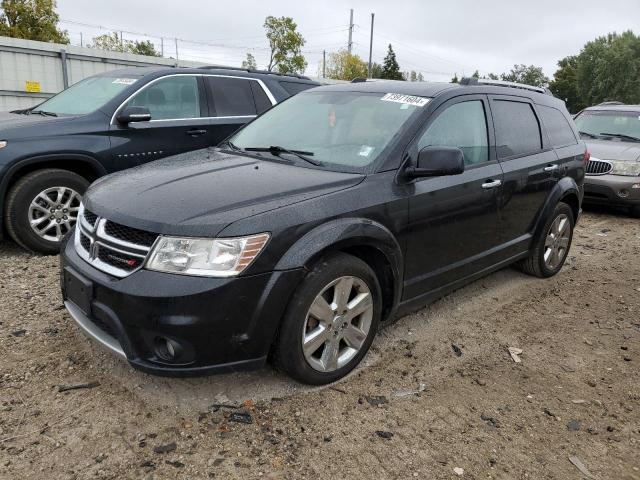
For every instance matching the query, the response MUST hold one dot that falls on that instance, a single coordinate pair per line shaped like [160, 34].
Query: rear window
[560, 132]
[262, 101]
[295, 87]
[517, 128]
[232, 97]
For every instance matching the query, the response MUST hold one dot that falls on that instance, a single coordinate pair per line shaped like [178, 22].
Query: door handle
[196, 133]
[491, 184]
[551, 168]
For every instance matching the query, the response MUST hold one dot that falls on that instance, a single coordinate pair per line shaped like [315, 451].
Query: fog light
[167, 349]
[623, 193]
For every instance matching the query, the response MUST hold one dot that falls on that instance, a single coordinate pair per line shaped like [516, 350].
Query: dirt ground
[576, 392]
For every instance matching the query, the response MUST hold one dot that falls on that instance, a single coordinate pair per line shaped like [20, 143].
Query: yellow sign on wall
[31, 86]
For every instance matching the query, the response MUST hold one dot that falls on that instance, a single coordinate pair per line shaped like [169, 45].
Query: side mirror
[437, 161]
[134, 114]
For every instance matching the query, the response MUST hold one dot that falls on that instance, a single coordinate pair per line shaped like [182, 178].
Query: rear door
[453, 220]
[178, 123]
[234, 101]
[531, 168]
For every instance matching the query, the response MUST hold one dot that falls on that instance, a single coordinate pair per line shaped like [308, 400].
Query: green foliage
[111, 42]
[31, 20]
[376, 70]
[529, 75]
[345, 66]
[250, 62]
[493, 76]
[607, 68]
[286, 45]
[476, 74]
[390, 67]
[455, 78]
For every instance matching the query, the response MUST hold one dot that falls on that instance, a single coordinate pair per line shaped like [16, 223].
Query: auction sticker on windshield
[406, 99]
[125, 81]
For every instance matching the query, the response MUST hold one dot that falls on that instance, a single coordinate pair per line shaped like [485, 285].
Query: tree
[390, 67]
[530, 75]
[113, 43]
[345, 66]
[493, 76]
[476, 74]
[376, 70]
[31, 20]
[565, 84]
[250, 62]
[286, 45]
[455, 78]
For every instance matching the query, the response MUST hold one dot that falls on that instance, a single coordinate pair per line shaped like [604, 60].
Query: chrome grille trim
[595, 166]
[100, 242]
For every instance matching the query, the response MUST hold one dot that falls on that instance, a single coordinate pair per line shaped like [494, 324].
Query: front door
[453, 220]
[178, 123]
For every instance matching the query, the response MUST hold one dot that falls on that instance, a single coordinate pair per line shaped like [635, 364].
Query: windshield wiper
[277, 150]
[621, 135]
[587, 134]
[43, 113]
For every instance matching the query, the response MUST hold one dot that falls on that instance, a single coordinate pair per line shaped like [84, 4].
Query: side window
[170, 98]
[260, 97]
[462, 125]
[232, 97]
[517, 128]
[560, 132]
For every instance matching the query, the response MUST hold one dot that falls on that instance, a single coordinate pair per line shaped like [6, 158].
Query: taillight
[586, 157]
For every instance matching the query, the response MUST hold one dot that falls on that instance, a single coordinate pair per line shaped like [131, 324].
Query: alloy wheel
[556, 243]
[337, 324]
[54, 212]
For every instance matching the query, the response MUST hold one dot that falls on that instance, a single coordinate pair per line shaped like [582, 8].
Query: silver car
[611, 131]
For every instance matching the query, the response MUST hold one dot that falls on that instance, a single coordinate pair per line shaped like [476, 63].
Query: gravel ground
[480, 415]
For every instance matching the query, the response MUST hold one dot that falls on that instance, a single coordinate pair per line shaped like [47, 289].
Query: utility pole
[324, 63]
[176, 38]
[121, 44]
[81, 40]
[350, 44]
[371, 44]
[162, 46]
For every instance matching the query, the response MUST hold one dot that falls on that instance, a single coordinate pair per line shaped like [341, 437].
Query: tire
[24, 204]
[635, 212]
[536, 264]
[317, 368]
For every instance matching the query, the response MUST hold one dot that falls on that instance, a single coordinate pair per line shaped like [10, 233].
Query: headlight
[3, 143]
[631, 169]
[220, 257]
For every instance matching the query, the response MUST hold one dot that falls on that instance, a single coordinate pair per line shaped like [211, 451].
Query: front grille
[598, 167]
[90, 217]
[110, 247]
[129, 234]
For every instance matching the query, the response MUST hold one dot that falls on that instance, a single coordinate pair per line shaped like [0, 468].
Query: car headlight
[207, 257]
[631, 169]
[3, 143]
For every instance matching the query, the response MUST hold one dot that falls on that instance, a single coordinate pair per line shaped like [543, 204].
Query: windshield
[86, 96]
[607, 124]
[344, 131]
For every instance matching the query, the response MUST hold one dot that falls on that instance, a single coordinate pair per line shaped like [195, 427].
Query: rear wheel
[552, 248]
[330, 322]
[42, 207]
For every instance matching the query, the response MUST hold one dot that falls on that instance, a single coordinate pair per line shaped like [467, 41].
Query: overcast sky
[437, 38]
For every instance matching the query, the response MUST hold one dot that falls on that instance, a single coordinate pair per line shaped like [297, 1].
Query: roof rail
[612, 102]
[252, 70]
[502, 83]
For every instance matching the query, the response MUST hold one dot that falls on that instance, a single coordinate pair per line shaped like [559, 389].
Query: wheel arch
[81, 164]
[567, 191]
[365, 239]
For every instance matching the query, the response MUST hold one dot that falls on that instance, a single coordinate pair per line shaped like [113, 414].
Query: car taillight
[586, 157]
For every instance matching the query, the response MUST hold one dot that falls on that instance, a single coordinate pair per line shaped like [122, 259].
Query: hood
[613, 150]
[200, 193]
[10, 121]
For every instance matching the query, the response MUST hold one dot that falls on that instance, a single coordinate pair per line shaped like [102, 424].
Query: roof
[615, 108]
[420, 89]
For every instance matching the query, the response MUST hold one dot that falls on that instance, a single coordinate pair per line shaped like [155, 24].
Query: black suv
[335, 211]
[50, 153]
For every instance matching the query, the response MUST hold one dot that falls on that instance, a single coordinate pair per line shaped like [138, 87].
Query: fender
[566, 186]
[343, 233]
[97, 167]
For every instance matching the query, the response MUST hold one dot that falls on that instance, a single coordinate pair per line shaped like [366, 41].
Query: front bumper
[615, 190]
[219, 324]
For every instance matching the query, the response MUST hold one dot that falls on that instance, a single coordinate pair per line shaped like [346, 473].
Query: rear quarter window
[517, 128]
[559, 130]
[295, 87]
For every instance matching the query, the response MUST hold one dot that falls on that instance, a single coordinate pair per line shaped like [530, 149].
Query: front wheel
[552, 248]
[42, 207]
[330, 322]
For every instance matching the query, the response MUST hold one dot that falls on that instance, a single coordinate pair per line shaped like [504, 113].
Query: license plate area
[78, 289]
